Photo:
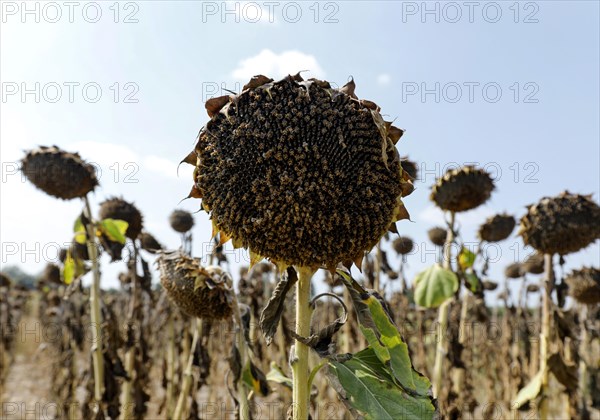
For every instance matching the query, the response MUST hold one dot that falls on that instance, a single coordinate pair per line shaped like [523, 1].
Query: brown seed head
[513, 271]
[300, 173]
[403, 245]
[181, 221]
[149, 243]
[562, 224]
[203, 292]
[462, 189]
[497, 228]
[437, 235]
[584, 285]
[59, 173]
[534, 264]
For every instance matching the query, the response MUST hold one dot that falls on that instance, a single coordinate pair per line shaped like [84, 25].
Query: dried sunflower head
[149, 243]
[59, 173]
[513, 271]
[562, 224]
[403, 245]
[117, 208]
[497, 228]
[584, 285]
[5, 280]
[489, 285]
[181, 221]
[534, 264]
[51, 274]
[533, 288]
[299, 172]
[410, 167]
[203, 292]
[462, 189]
[437, 235]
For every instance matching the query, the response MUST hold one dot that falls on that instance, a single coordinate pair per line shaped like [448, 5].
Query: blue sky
[516, 92]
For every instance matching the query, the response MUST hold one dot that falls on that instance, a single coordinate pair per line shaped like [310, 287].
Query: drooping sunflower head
[497, 228]
[584, 285]
[181, 221]
[534, 264]
[562, 224]
[403, 245]
[513, 271]
[203, 292]
[299, 172]
[437, 235]
[117, 208]
[59, 173]
[462, 189]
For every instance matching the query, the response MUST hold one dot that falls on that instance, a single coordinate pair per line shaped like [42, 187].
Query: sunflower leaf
[434, 285]
[114, 229]
[271, 314]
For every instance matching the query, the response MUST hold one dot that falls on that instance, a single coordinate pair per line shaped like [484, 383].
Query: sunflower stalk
[95, 314]
[126, 408]
[300, 362]
[545, 333]
[443, 315]
[187, 374]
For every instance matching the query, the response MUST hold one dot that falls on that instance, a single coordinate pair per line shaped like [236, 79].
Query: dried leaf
[214, 105]
[271, 314]
[257, 81]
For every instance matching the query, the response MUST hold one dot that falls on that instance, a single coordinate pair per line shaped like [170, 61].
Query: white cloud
[277, 65]
[384, 79]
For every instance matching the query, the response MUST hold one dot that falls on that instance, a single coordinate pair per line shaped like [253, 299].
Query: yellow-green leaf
[69, 269]
[114, 229]
[466, 258]
[79, 230]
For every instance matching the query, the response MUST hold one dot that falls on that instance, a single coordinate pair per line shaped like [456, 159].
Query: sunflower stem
[545, 332]
[187, 374]
[300, 362]
[242, 348]
[95, 314]
[443, 315]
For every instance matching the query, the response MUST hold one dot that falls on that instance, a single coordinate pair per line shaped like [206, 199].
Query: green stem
[95, 314]
[300, 363]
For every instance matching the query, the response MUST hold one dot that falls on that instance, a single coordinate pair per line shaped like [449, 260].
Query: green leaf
[68, 269]
[114, 229]
[276, 375]
[530, 391]
[365, 384]
[400, 363]
[255, 379]
[472, 281]
[79, 230]
[466, 258]
[434, 285]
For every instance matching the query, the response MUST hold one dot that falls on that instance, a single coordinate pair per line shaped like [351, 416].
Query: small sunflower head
[403, 245]
[462, 189]
[299, 172]
[562, 224]
[584, 285]
[514, 271]
[149, 243]
[489, 285]
[181, 221]
[534, 264]
[410, 167]
[497, 228]
[51, 274]
[203, 292]
[5, 280]
[533, 288]
[59, 173]
[437, 235]
[117, 208]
